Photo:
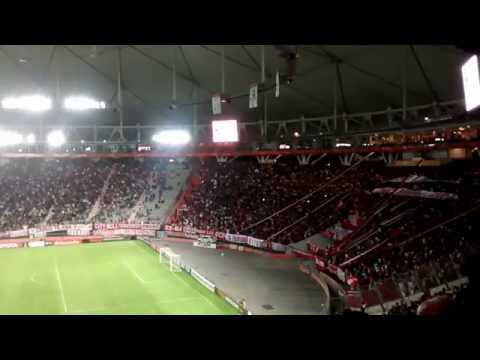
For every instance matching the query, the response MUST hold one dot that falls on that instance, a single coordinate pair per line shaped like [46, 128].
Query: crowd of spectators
[129, 180]
[236, 196]
[55, 191]
[374, 236]
[232, 196]
[427, 304]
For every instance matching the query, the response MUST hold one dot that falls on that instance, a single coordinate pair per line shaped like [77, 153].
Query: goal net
[173, 260]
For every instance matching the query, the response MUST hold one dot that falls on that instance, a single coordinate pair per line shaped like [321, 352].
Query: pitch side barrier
[230, 241]
[202, 280]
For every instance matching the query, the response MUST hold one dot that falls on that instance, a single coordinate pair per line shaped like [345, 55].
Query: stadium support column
[223, 69]
[265, 114]
[335, 104]
[263, 124]
[404, 87]
[195, 115]
[95, 136]
[120, 94]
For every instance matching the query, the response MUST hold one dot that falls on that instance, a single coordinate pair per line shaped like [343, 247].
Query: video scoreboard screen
[471, 83]
[225, 131]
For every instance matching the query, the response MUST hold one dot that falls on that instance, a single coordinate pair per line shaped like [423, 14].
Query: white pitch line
[134, 272]
[179, 300]
[203, 296]
[87, 311]
[60, 286]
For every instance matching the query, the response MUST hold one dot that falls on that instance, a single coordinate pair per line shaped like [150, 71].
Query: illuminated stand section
[167, 255]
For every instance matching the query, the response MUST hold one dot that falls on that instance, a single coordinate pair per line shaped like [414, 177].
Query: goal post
[166, 255]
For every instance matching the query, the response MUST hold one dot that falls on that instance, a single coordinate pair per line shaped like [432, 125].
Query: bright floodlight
[172, 137]
[343, 145]
[471, 83]
[8, 138]
[56, 138]
[225, 131]
[30, 139]
[81, 103]
[35, 103]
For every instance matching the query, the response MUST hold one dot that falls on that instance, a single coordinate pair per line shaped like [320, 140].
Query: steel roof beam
[29, 75]
[363, 71]
[424, 74]
[106, 76]
[340, 83]
[169, 68]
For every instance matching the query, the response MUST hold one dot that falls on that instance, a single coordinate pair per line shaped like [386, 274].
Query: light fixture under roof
[82, 103]
[56, 138]
[172, 137]
[33, 103]
[30, 139]
[8, 138]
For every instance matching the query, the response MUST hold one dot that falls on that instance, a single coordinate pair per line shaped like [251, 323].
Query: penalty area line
[60, 286]
[198, 291]
[127, 265]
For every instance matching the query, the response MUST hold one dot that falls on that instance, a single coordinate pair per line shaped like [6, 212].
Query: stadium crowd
[36, 192]
[374, 236]
[419, 241]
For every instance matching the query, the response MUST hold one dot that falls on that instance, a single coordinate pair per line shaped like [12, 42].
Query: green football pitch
[123, 277]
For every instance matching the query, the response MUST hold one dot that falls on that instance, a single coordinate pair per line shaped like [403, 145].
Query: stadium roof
[368, 78]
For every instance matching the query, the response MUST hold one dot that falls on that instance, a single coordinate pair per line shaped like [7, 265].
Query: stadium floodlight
[471, 83]
[172, 137]
[82, 103]
[33, 103]
[56, 138]
[8, 138]
[30, 139]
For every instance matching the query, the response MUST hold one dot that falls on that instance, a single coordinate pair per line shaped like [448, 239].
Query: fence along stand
[267, 160]
[303, 159]
[346, 160]
[222, 159]
[318, 159]
[390, 158]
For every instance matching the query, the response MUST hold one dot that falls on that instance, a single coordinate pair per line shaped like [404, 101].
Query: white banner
[18, 234]
[279, 247]
[34, 244]
[438, 195]
[216, 105]
[277, 84]
[253, 103]
[69, 242]
[238, 239]
[205, 245]
[255, 242]
[8, 245]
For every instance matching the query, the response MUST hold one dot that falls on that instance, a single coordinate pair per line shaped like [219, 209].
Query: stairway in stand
[98, 202]
[138, 206]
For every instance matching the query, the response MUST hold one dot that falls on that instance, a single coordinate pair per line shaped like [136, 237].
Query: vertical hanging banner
[253, 96]
[277, 84]
[216, 104]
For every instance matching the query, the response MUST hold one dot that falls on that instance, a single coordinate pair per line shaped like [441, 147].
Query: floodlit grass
[98, 279]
